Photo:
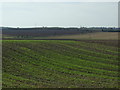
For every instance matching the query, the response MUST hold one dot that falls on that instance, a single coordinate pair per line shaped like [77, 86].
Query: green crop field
[59, 64]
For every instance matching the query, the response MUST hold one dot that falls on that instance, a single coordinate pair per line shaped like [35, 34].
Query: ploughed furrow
[72, 52]
[68, 66]
[59, 63]
[78, 52]
[70, 59]
[85, 51]
[57, 71]
[68, 49]
[95, 49]
[44, 64]
[57, 56]
[52, 68]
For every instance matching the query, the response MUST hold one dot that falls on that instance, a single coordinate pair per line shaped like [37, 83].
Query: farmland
[60, 64]
[88, 36]
[59, 33]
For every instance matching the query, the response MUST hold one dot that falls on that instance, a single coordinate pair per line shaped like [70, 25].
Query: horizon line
[61, 26]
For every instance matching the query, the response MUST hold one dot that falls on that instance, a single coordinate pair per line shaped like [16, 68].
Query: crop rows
[59, 63]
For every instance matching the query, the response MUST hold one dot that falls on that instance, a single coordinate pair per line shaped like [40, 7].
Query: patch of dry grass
[98, 35]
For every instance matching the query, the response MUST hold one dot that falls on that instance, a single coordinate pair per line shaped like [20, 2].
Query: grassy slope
[50, 63]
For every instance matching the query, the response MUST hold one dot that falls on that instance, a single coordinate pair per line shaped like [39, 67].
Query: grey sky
[25, 14]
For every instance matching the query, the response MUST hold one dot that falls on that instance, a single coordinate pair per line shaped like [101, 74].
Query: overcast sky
[66, 14]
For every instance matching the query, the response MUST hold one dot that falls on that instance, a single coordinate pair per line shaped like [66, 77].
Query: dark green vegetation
[59, 63]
